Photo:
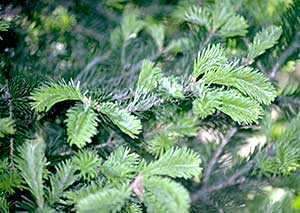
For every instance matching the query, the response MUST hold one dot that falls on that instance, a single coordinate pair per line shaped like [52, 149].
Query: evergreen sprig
[63, 178]
[131, 24]
[165, 195]
[264, 40]
[88, 163]
[108, 199]
[32, 162]
[6, 126]
[157, 31]
[82, 125]
[248, 81]
[235, 25]
[199, 16]
[169, 87]
[129, 124]
[183, 71]
[209, 59]
[175, 162]
[121, 166]
[149, 76]
[219, 20]
[47, 95]
[160, 144]
[238, 107]
[285, 157]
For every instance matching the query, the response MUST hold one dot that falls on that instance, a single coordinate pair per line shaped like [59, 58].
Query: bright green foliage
[238, 107]
[221, 13]
[116, 38]
[47, 95]
[121, 166]
[88, 163]
[157, 33]
[245, 79]
[159, 144]
[32, 162]
[74, 196]
[183, 126]
[134, 208]
[149, 76]
[263, 40]
[206, 105]
[285, 157]
[4, 25]
[220, 20]
[6, 127]
[127, 123]
[230, 102]
[199, 16]
[211, 64]
[10, 180]
[120, 170]
[130, 24]
[178, 45]
[106, 200]
[170, 87]
[63, 178]
[235, 26]
[81, 125]
[192, 72]
[226, 22]
[175, 162]
[4, 205]
[209, 59]
[59, 20]
[164, 195]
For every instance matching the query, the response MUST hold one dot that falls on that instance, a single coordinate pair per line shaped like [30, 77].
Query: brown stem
[217, 154]
[235, 179]
[97, 60]
[284, 56]
[89, 33]
[110, 142]
[210, 36]
[11, 140]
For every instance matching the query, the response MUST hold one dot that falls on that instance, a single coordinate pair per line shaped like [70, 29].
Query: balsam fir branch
[81, 124]
[82, 119]
[120, 169]
[32, 162]
[264, 40]
[161, 94]
[63, 178]
[6, 127]
[47, 95]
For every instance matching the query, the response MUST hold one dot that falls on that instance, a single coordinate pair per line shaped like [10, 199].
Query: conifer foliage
[150, 106]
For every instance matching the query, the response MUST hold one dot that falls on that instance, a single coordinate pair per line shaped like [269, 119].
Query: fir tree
[137, 106]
